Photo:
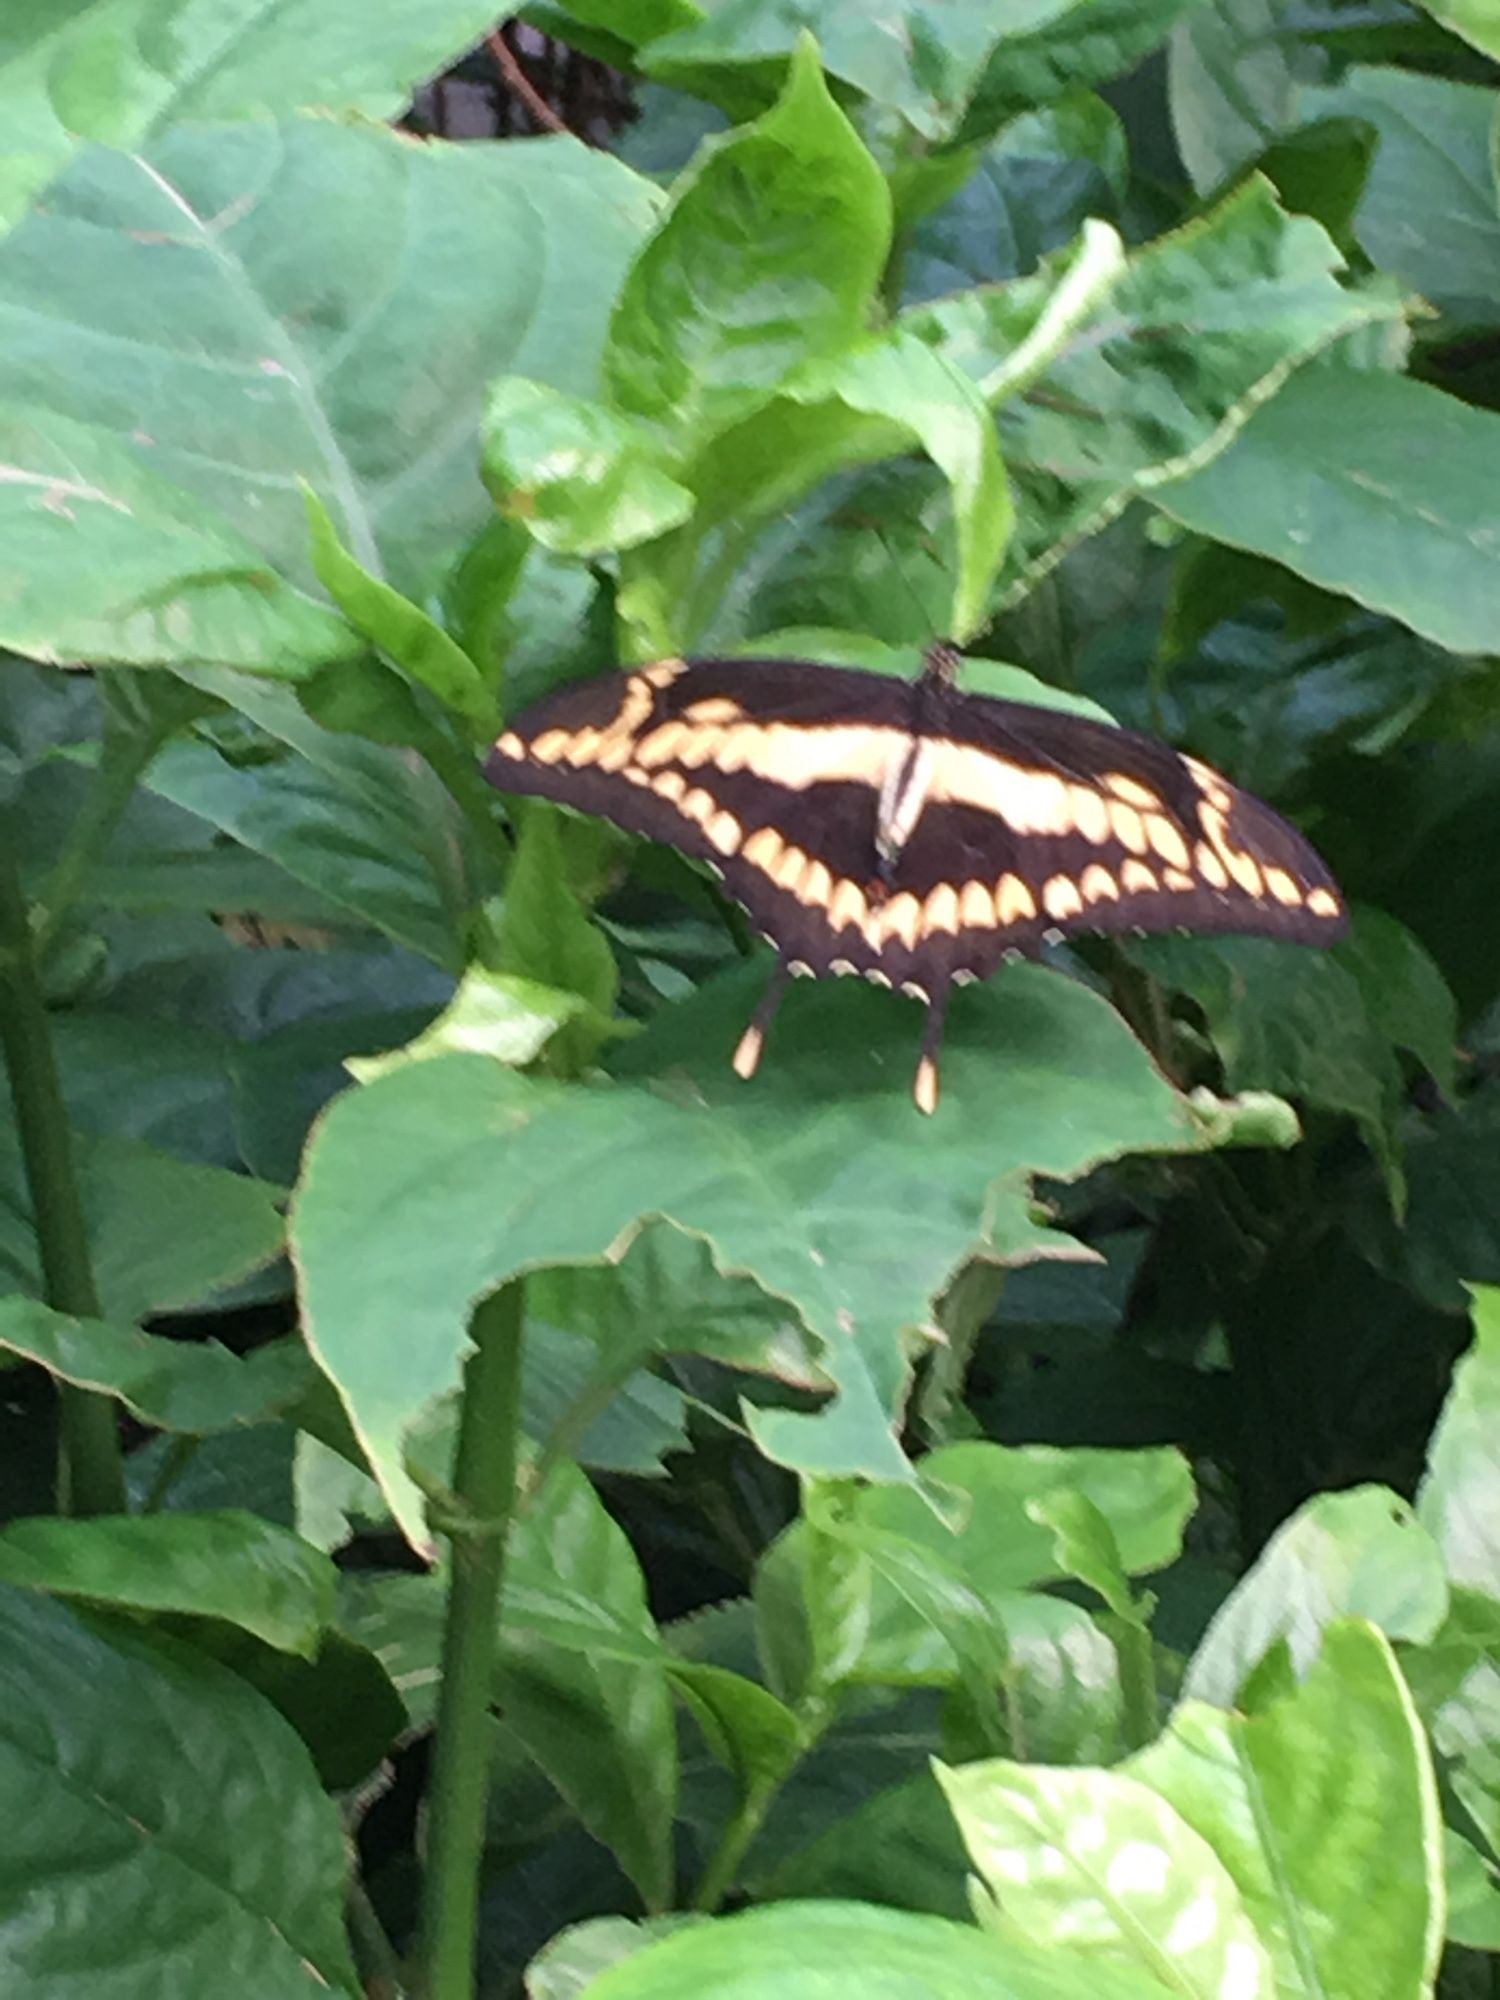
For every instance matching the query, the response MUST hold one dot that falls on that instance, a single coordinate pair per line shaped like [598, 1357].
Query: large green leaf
[1095, 1862]
[1430, 211]
[1368, 484]
[1361, 1554]
[769, 258]
[175, 1838]
[121, 70]
[254, 305]
[1460, 1497]
[436, 1182]
[1324, 1809]
[225, 1564]
[1204, 325]
[802, 1951]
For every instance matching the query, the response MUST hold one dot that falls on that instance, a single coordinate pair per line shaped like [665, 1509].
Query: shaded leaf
[205, 1565]
[1231, 85]
[599, 1726]
[1368, 484]
[186, 1386]
[1429, 211]
[126, 1752]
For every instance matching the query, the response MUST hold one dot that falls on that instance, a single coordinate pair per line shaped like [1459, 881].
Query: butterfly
[908, 831]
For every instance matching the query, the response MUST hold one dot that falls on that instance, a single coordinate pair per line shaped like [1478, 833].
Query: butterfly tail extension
[747, 1053]
[925, 1084]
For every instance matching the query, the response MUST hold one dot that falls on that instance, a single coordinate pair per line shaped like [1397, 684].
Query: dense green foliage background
[1151, 348]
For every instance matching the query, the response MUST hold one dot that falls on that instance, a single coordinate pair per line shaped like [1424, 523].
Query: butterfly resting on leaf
[908, 831]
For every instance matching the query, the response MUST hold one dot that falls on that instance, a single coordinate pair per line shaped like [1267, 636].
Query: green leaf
[1403, 992]
[190, 1387]
[1473, 1895]
[1324, 1810]
[1204, 325]
[252, 306]
[1361, 1554]
[1096, 1863]
[372, 831]
[800, 1951]
[223, 1226]
[1231, 86]
[768, 258]
[431, 1185]
[1429, 211]
[599, 1726]
[108, 562]
[544, 933]
[497, 1014]
[1086, 1547]
[1475, 20]
[1368, 484]
[986, 64]
[238, 59]
[417, 644]
[580, 478]
[1459, 1501]
[1028, 193]
[228, 1565]
[126, 1753]
[1291, 1021]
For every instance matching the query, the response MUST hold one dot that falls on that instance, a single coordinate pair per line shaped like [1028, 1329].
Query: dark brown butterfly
[908, 831]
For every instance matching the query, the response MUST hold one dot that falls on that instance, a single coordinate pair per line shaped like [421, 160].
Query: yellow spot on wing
[940, 912]
[510, 745]
[1060, 897]
[1014, 902]
[1177, 878]
[976, 906]
[551, 746]
[1211, 866]
[1136, 879]
[1283, 887]
[1246, 871]
[816, 885]
[724, 831]
[1098, 885]
[763, 849]
[715, 708]
[1167, 840]
[670, 784]
[846, 906]
[901, 917]
[1130, 828]
[1323, 903]
[1132, 791]
[1090, 813]
[787, 872]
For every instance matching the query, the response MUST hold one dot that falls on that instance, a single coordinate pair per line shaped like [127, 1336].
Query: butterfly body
[909, 831]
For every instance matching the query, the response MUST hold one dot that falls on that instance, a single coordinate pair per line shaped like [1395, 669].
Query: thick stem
[119, 774]
[92, 1472]
[484, 1486]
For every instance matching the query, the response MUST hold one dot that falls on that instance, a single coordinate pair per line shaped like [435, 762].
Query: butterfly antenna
[925, 1085]
[747, 1054]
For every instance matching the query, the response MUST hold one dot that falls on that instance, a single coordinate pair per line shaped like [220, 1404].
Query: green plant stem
[749, 1817]
[92, 1470]
[1133, 1649]
[484, 1485]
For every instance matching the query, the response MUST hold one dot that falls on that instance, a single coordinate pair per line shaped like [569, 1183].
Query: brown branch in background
[520, 85]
